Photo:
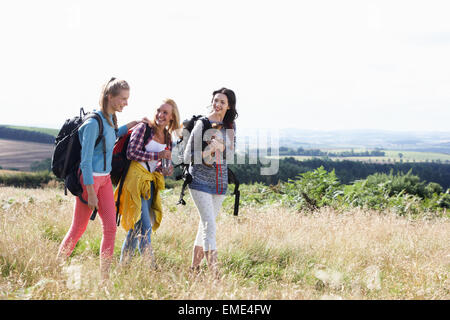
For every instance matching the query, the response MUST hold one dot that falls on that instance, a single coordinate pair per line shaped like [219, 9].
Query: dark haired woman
[209, 174]
[95, 178]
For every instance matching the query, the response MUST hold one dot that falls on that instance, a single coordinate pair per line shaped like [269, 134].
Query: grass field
[20, 154]
[265, 253]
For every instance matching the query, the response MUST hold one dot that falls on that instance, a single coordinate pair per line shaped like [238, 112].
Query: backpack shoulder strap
[148, 131]
[237, 194]
[97, 117]
[206, 123]
[100, 137]
[206, 126]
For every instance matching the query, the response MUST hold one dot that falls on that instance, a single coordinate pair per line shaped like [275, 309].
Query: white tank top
[153, 146]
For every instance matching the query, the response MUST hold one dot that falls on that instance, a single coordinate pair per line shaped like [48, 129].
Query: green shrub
[402, 193]
[409, 183]
[444, 200]
[433, 188]
[363, 194]
[312, 189]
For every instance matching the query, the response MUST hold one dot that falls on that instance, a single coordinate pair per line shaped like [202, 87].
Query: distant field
[418, 156]
[20, 154]
[391, 156]
[366, 159]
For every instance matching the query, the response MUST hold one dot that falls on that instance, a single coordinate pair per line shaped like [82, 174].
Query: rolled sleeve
[122, 131]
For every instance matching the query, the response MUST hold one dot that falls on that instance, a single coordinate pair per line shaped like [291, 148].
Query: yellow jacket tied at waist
[137, 185]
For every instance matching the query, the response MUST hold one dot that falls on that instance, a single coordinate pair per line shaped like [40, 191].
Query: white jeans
[208, 206]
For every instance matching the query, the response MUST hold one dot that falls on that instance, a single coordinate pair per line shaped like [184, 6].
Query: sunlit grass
[267, 252]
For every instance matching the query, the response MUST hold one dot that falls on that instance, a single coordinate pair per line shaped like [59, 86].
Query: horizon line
[282, 129]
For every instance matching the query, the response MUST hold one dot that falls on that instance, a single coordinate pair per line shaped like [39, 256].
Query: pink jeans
[106, 211]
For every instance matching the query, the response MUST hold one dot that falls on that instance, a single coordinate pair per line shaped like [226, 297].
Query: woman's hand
[132, 124]
[217, 145]
[214, 146]
[165, 154]
[146, 120]
[92, 197]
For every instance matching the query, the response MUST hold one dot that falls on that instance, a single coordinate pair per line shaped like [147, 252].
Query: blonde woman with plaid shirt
[146, 176]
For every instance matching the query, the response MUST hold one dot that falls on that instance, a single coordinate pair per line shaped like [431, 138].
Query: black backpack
[66, 156]
[186, 176]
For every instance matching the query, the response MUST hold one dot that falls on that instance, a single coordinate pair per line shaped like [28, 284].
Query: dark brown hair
[231, 114]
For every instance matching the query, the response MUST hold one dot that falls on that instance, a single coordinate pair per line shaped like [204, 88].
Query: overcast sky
[302, 64]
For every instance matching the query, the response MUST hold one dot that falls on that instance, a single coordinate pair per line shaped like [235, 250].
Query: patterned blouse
[210, 179]
[135, 150]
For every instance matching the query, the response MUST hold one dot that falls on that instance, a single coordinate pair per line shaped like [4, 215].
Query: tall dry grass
[265, 253]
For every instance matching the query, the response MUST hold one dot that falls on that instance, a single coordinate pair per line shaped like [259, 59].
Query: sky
[315, 65]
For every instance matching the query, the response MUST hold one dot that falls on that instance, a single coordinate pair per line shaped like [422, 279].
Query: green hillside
[53, 132]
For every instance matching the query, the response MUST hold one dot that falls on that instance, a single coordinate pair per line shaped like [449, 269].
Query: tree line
[25, 135]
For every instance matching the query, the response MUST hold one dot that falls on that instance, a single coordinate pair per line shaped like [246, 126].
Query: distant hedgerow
[26, 179]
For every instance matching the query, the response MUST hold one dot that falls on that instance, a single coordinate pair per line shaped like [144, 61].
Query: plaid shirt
[136, 151]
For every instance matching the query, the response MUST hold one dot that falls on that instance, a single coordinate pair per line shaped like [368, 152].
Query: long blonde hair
[175, 122]
[113, 87]
[174, 125]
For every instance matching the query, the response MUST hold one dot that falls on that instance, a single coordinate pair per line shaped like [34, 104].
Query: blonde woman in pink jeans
[95, 178]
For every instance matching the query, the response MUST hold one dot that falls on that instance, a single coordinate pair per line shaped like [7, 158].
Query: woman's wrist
[90, 189]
